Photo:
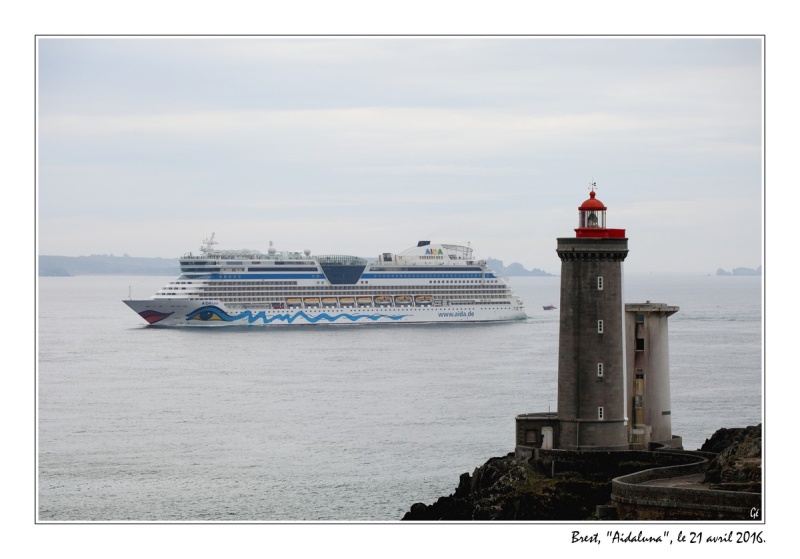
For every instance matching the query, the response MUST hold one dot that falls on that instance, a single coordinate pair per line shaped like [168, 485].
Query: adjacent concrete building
[648, 370]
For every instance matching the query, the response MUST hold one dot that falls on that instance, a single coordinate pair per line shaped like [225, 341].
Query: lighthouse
[613, 358]
[592, 380]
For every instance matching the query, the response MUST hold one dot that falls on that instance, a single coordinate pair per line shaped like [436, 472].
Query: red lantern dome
[592, 204]
[592, 220]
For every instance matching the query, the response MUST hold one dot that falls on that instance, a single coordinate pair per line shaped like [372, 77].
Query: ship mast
[208, 244]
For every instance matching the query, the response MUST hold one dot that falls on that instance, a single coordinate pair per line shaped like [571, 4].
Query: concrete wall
[636, 501]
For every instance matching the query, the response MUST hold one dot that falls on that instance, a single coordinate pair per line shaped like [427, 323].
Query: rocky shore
[737, 466]
[504, 489]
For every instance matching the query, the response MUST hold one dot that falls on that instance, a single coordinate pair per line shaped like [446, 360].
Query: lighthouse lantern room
[592, 220]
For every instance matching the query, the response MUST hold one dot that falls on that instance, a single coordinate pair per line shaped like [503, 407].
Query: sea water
[331, 423]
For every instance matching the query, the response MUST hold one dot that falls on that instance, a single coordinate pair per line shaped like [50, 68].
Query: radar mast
[208, 244]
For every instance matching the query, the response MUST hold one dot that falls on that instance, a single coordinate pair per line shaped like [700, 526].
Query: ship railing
[458, 252]
[342, 259]
[245, 254]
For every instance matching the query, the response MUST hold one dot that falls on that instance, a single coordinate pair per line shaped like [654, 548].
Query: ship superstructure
[426, 283]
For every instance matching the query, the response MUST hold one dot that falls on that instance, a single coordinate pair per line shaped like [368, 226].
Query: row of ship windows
[418, 276]
[253, 288]
[255, 282]
[477, 277]
[254, 296]
[266, 297]
[275, 282]
[392, 276]
[270, 286]
[464, 281]
[247, 304]
[277, 291]
[480, 282]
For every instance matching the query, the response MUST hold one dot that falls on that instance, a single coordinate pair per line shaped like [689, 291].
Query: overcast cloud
[367, 145]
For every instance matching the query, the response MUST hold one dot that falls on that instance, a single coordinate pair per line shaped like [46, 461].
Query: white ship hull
[425, 284]
[184, 313]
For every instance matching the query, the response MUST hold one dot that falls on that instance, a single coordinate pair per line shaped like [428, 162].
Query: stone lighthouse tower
[592, 399]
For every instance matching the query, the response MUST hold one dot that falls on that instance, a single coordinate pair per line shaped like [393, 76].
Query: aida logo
[433, 251]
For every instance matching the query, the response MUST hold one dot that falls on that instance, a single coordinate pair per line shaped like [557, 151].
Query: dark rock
[724, 438]
[504, 489]
[738, 466]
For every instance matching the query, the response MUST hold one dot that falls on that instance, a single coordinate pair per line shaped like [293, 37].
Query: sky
[367, 144]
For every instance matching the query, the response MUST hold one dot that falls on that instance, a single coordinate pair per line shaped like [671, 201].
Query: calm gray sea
[331, 423]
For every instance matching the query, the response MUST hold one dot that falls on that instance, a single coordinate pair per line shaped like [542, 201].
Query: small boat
[402, 300]
[347, 301]
[383, 300]
[364, 301]
[549, 307]
[293, 302]
[329, 301]
[423, 300]
[311, 301]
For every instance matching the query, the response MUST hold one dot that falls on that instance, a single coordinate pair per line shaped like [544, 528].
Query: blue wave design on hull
[213, 314]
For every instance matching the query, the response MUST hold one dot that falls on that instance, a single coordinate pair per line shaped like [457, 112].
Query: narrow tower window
[599, 369]
[599, 326]
[599, 283]
[600, 413]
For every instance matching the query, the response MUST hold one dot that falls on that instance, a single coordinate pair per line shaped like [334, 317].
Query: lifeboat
[383, 300]
[293, 302]
[364, 301]
[423, 300]
[311, 301]
[347, 301]
[402, 300]
[329, 301]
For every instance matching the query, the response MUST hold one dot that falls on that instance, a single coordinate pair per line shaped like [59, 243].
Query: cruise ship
[426, 283]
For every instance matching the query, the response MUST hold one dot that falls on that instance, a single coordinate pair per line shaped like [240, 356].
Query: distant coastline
[740, 272]
[514, 269]
[110, 265]
[106, 265]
